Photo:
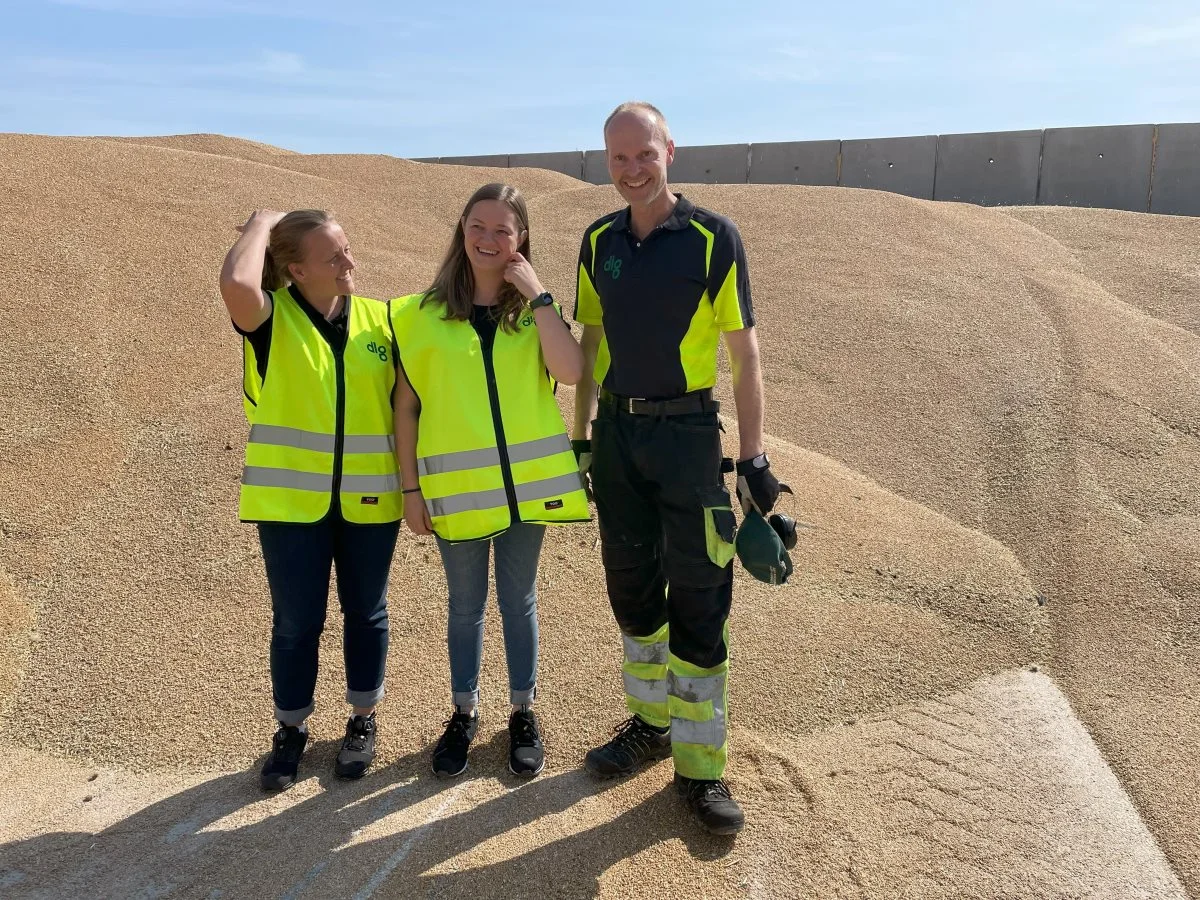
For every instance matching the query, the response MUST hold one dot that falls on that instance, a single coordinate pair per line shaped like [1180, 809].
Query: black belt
[696, 402]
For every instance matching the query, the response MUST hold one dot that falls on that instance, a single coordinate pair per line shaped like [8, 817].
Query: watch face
[541, 300]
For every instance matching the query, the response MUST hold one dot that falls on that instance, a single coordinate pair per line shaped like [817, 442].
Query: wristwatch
[542, 299]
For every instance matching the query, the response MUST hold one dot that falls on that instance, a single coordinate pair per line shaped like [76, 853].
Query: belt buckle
[631, 401]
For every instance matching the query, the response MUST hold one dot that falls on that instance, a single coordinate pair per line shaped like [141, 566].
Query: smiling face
[491, 234]
[638, 153]
[327, 268]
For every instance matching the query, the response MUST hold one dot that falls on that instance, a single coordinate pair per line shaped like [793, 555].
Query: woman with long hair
[320, 476]
[485, 460]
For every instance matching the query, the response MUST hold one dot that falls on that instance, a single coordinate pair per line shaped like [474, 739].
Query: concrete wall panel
[1105, 167]
[569, 163]
[595, 167]
[795, 162]
[496, 160]
[1176, 188]
[901, 165]
[426, 159]
[993, 169]
[711, 164]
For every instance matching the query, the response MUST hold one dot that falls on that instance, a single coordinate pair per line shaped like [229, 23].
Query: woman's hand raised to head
[266, 218]
[519, 273]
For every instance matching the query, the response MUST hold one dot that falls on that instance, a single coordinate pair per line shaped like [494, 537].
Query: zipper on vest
[510, 490]
[339, 434]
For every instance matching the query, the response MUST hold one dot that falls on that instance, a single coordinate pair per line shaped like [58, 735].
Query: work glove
[583, 458]
[757, 488]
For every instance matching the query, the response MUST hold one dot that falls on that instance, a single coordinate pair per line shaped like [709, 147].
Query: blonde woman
[484, 455]
[320, 478]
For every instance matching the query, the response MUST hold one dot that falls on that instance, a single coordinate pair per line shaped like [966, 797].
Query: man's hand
[757, 488]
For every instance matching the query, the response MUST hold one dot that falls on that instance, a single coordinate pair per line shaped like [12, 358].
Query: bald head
[646, 113]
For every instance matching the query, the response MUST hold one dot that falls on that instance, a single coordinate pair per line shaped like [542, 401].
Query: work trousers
[666, 530]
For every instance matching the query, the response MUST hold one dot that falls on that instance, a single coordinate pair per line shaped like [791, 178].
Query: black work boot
[279, 771]
[358, 747]
[526, 756]
[635, 744]
[450, 754]
[710, 802]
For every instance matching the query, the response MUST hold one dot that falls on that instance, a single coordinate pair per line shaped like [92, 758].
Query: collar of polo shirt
[678, 220]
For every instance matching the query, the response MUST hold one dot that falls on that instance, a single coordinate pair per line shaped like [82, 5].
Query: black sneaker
[450, 754]
[712, 805]
[635, 743]
[279, 771]
[358, 747]
[526, 756]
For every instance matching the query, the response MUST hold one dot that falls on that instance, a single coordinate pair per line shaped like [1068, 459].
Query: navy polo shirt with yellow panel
[663, 301]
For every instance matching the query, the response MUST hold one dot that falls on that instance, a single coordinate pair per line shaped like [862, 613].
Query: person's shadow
[225, 839]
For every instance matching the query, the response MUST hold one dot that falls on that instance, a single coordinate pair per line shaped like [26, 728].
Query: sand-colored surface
[990, 416]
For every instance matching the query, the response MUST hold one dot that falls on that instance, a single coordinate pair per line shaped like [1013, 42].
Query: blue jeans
[517, 551]
[298, 560]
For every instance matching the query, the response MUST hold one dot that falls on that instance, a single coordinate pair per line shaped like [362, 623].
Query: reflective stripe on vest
[322, 422]
[473, 485]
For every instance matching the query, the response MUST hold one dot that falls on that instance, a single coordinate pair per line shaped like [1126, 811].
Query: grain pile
[991, 417]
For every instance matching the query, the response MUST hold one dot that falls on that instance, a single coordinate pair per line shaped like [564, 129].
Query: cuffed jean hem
[293, 717]
[522, 698]
[466, 699]
[364, 698]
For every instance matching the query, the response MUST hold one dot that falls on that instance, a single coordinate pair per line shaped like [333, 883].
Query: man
[659, 282]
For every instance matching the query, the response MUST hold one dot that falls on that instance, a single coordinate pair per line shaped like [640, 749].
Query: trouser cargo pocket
[719, 524]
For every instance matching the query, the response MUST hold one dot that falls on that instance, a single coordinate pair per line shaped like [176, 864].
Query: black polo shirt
[663, 301]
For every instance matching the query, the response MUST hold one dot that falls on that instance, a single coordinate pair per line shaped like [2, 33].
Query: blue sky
[464, 77]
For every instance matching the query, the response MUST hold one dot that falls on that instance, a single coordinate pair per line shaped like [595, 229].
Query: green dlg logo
[527, 321]
[612, 265]
[379, 350]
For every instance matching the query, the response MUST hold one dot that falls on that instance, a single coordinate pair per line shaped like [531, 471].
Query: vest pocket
[720, 526]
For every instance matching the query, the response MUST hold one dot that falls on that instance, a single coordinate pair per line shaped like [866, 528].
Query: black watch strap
[542, 299]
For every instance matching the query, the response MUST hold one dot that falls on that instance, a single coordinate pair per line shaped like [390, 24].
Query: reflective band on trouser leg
[645, 675]
[697, 699]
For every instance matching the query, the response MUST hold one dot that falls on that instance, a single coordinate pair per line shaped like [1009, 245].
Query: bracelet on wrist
[410, 490]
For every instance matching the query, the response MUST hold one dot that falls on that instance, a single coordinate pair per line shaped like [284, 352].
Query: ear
[670, 152]
[295, 272]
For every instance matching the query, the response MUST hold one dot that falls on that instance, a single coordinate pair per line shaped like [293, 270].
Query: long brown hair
[283, 247]
[454, 284]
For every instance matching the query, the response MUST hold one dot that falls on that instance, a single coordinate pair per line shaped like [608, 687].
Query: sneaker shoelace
[288, 742]
[633, 736]
[456, 730]
[357, 735]
[525, 730]
[709, 790]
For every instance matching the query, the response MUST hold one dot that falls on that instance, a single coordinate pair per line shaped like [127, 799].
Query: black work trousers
[653, 478]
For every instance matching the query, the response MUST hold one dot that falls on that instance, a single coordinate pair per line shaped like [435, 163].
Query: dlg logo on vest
[379, 350]
[612, 265]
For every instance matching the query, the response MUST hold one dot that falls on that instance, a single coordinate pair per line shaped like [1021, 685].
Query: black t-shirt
[485, 323]
[333, 329]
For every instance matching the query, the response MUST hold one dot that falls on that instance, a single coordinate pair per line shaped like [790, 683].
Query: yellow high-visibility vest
[321, 420]
[492, 448]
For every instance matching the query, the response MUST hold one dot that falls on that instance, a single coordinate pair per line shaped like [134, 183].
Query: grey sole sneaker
[358, 748]
[450, 754]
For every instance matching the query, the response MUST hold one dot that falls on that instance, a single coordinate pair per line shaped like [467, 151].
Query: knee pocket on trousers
[697, 575]
[619, 557]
